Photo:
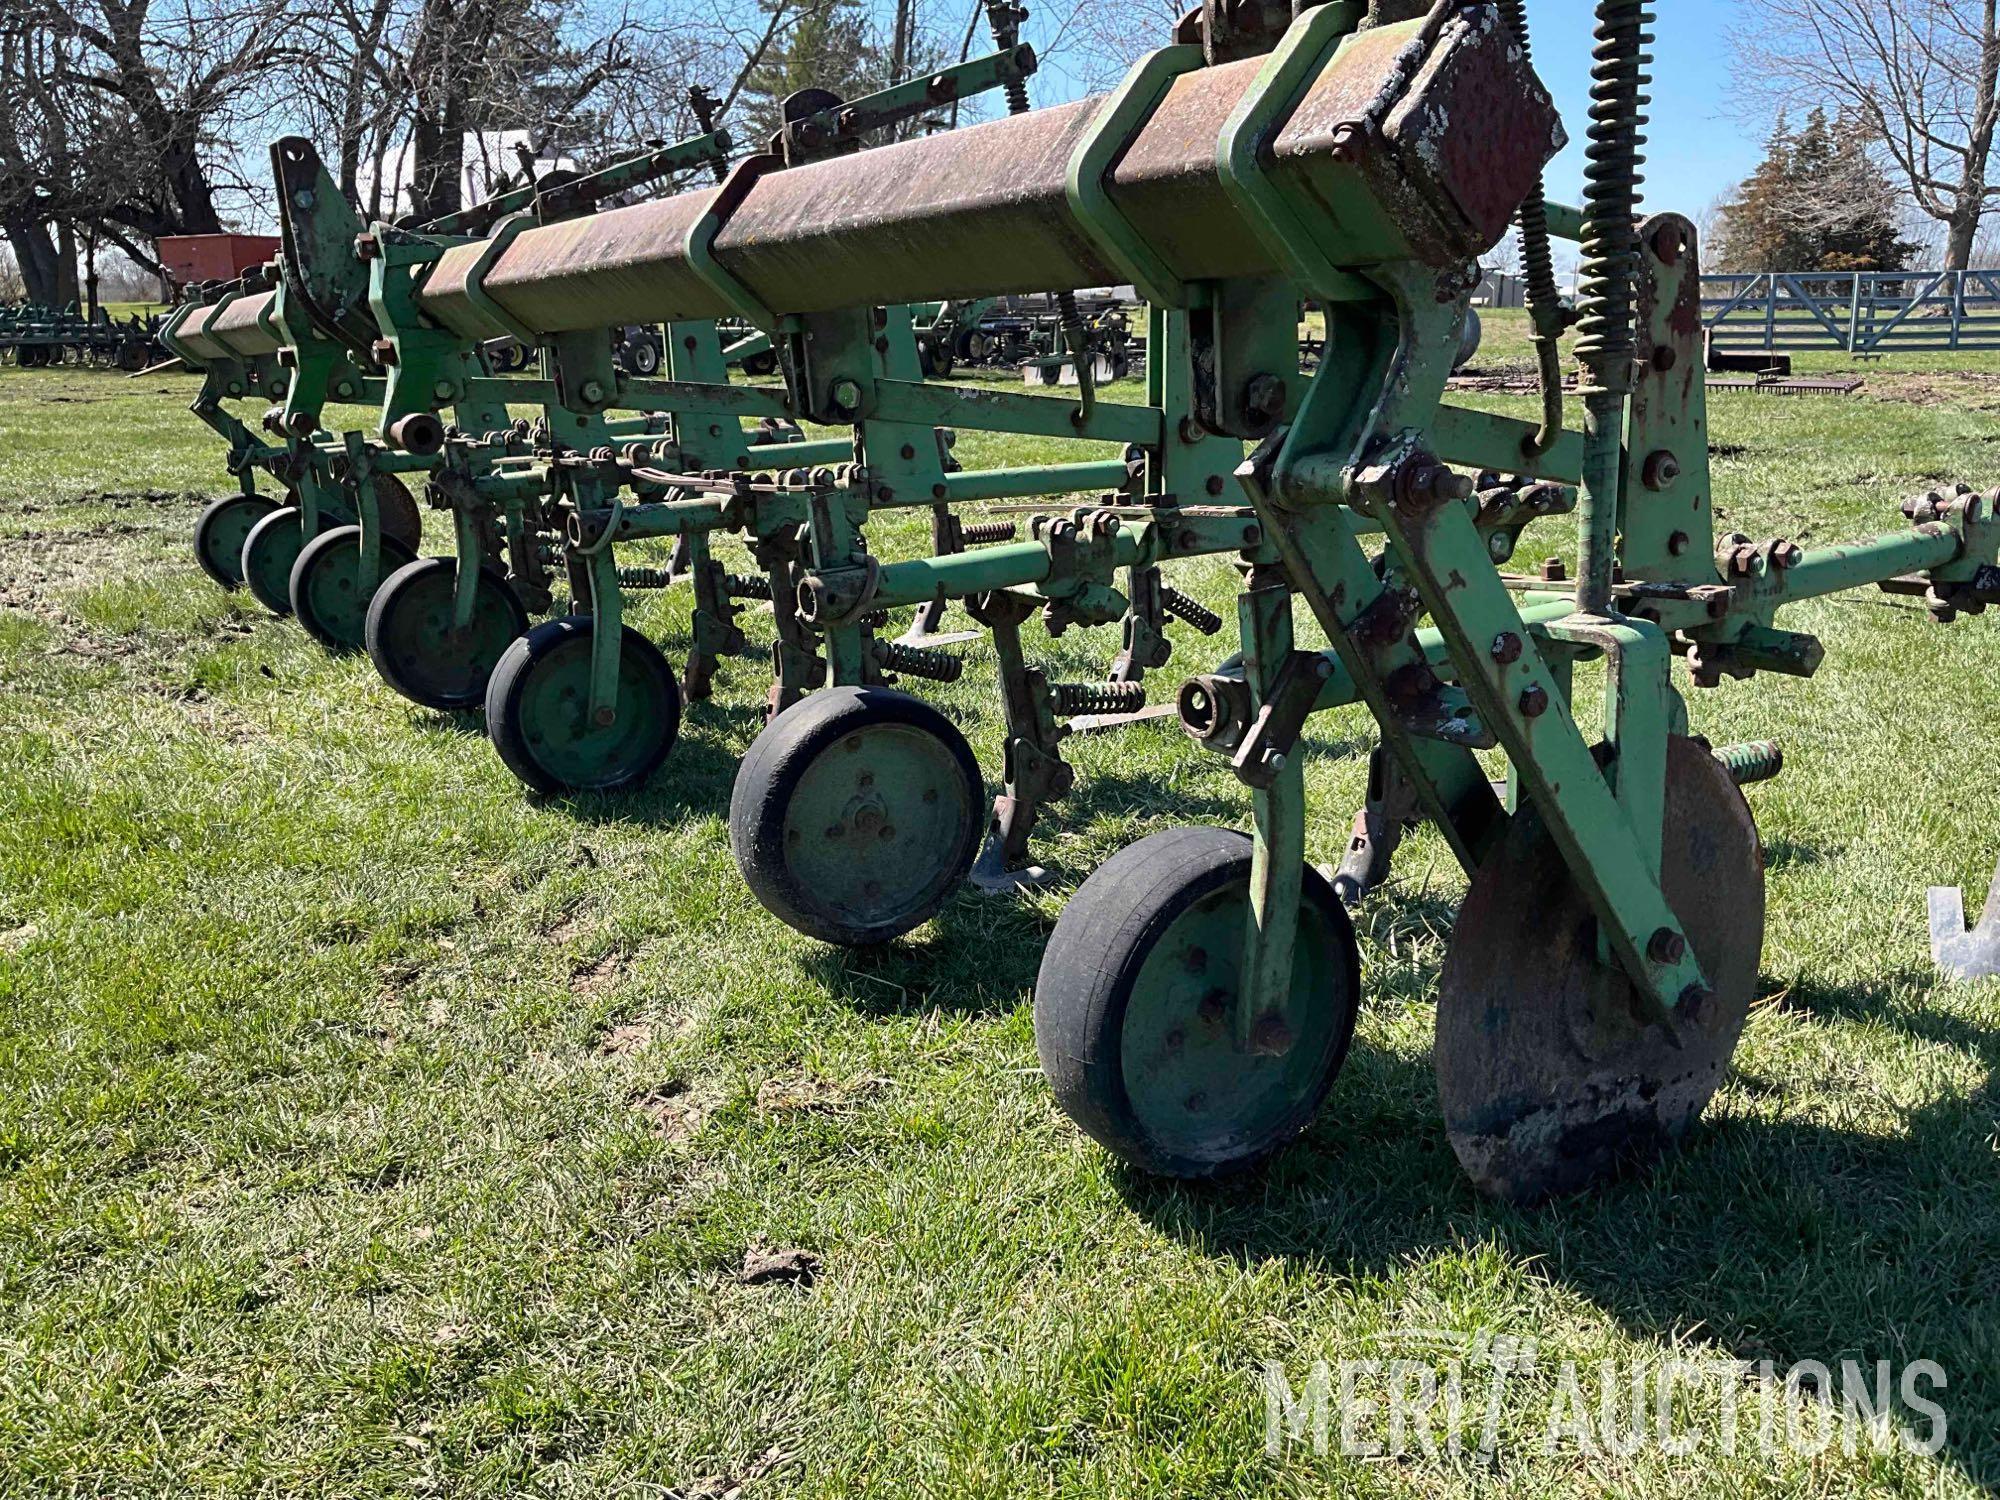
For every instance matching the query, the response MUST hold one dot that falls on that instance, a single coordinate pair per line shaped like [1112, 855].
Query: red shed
[214, 257]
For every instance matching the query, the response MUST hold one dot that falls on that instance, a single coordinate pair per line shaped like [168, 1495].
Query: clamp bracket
[475, 281]
[1284, 223]
[1113, 129]
[699, 246]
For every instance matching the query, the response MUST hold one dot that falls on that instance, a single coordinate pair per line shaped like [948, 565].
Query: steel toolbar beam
[986, 210]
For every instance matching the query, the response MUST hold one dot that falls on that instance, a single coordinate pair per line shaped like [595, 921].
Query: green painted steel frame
[1112, 129]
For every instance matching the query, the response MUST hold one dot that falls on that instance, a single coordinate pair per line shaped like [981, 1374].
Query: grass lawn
[369, 1128]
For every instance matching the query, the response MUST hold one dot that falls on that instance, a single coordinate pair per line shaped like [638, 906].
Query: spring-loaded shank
[1604, 345]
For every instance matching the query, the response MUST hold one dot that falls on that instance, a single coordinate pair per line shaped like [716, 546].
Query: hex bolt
[1666, 946]
[442, 390]
[1347, 141]
[1661, 469]
[1271, 1037]
[1694, 1002]
[1264, 397]
[592, 391]
[383, 351]
[1534, 701]
[1214, 484]
[1553, 570]
[1506, 647]
[846, 395]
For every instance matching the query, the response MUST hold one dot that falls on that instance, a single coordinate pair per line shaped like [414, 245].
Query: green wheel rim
[269, 555]
[223, 531]
[1189, 1084]
[414, 640]
[552, 709]
[332, 592]
[875, 822]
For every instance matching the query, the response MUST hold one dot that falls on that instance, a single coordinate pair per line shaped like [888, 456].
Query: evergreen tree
[829, 47]
[1818, 201]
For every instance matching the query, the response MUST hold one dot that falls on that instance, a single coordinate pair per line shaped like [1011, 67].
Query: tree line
[127, 120]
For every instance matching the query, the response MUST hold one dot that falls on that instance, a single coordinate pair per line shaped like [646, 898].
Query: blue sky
[1705, 151]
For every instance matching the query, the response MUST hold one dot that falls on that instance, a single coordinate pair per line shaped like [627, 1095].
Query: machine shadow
[977, 957]
[1755, 1240]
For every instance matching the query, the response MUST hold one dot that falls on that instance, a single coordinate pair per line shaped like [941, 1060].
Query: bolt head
[1694, 1003]
[1506, 647]
[1666, 946]
[1534, 701]
[1264, 397]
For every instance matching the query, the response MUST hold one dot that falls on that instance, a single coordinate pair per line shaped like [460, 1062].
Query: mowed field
[368, 1127]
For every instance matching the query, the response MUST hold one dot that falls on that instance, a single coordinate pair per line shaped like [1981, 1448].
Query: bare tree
[1921, 73]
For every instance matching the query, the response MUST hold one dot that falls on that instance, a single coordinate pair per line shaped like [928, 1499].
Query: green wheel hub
[414, 641]
[856, 814]
[270, 550]
[221, 532]
[1135, 1008]
[326, 591]
[539, 717]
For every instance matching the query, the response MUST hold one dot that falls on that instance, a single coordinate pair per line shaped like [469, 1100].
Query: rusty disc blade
[1548, 1077]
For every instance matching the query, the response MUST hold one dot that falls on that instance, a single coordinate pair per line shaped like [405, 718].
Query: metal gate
[1855, 312]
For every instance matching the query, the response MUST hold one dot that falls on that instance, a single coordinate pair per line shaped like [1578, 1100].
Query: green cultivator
[1198, 994]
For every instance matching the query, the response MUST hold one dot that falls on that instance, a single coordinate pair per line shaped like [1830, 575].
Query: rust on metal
[985, 210]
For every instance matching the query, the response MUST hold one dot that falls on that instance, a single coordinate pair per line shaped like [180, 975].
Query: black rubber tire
[510, 681]
[1092, 962]
[319, 552]
[280, 605]
[216, 562]
[399, 591]
[771, 771]
[641, 357]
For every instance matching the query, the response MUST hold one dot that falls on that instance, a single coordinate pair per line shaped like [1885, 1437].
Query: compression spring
[981, 532]
[1610, 258]
[1538, 270]
[1099, 697]
[919, 661]
[645, 578]
[746, 585]
[1193, 611]
[1751, 760]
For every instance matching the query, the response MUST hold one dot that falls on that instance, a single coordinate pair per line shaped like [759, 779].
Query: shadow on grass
[461, 721]
[1784, 1241]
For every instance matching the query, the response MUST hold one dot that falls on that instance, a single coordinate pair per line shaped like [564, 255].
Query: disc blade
[1548, 1077]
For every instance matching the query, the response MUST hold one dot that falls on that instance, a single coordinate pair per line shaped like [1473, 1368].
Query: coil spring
[981, 532]
[875, 619]
[919, 661]
[1618, 83]
[1751, 760]
[645, 578]
[1538, 267]
[746, 585]
[1099, 697]
[1193, 611]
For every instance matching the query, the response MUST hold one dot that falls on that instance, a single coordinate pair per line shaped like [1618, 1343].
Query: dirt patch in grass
[1971, 391]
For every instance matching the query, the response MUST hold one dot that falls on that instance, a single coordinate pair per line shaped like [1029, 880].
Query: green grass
[369, 1128]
